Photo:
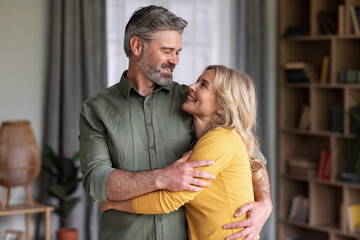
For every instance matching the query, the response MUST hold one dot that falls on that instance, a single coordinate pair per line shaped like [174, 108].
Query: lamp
[20, 160]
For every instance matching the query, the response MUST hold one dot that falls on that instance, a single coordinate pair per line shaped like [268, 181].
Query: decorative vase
[20, 160]
[66, 234]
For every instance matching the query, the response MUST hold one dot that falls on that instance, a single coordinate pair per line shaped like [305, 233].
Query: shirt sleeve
[95, 162]
[222, 147]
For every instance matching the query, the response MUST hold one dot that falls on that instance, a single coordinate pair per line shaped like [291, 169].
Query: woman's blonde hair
[235, 93]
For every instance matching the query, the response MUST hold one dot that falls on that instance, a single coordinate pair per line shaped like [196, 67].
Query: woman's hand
[125, 206]
[105, 206]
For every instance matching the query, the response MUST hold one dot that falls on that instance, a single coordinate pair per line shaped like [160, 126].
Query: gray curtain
[77, 70]
[257, 36]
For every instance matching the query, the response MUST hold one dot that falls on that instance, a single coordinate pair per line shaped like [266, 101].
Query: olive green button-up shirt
[120, 129]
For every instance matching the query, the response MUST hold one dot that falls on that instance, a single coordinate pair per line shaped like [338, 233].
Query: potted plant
[65, 182]
[350, 171]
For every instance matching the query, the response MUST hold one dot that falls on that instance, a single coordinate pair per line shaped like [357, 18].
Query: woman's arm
[214, 145]
[125, 206]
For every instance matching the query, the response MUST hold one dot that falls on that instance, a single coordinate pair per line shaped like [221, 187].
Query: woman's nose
[192, 87]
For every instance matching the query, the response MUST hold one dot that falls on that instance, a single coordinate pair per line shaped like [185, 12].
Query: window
[209, 22]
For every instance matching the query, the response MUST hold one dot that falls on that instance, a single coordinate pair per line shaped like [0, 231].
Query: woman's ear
[136, 46]
[220, 111]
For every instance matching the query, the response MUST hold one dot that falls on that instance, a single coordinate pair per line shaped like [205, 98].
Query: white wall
[23, 54]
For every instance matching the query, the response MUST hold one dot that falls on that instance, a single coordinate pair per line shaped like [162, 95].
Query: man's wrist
[159, 177]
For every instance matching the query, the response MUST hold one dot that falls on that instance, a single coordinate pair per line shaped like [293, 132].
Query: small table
[27, 210]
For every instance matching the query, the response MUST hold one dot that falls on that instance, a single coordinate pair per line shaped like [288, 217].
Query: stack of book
[299, 210]
[300, 72]
[350, 76]
[302, 166]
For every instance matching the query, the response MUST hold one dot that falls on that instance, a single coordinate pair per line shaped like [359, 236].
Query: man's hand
[181, 176]
[257, 213]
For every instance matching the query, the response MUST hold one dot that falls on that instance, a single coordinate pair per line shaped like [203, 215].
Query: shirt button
[150, 124]
[158, 219]
[152, 147]
[147, 104]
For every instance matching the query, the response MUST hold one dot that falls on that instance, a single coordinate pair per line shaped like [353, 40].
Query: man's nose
[174, 59]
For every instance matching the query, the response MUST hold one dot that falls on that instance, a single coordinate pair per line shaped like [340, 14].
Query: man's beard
[146, 65]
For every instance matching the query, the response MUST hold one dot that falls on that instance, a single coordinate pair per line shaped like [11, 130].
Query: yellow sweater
[207, 211]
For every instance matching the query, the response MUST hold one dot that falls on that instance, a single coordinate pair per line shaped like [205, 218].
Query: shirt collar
[125, 87]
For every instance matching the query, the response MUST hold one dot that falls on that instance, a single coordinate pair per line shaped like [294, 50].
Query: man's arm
[180, 176]
[257, 212]
[103, 182]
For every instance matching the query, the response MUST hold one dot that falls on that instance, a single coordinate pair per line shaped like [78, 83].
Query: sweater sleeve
[221, 145]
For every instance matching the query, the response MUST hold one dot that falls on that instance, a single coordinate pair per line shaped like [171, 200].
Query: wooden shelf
[327, 220]
[322, 228]
[27, 210]
[319, 85]
[321, 37]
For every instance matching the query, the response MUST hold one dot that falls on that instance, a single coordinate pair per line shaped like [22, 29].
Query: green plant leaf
[58, 191]
[67, 206]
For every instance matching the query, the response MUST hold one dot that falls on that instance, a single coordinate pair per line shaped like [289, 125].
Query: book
[299, 210]
[341, 27]
[328, 22]
[295, 238]
[325, 69]
[350, 76]
[357, 13]
[322, 161]
[327, 167]
[305, 117]
[353, 217]
[354, 20]
[295, 205]
[302, 166]
[337, 118]
[300, 72]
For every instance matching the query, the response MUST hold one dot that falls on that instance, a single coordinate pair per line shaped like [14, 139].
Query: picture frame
[14, 235]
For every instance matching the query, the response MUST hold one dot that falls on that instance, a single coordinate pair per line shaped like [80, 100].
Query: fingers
[243, 209]
[239, 224]
[193, 188]
[245, 233]
[186, 157]
[201, 163]
[199, 182]
[203, 175]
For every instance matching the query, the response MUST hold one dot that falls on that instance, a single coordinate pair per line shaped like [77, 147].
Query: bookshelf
[309, 44]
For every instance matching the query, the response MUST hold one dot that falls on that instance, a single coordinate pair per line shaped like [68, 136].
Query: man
[132, 134]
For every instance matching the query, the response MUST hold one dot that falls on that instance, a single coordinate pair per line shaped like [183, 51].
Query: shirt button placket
[151, 142]
[150, 130]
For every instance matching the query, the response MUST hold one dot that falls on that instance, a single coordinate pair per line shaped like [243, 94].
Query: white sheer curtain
[207, 39]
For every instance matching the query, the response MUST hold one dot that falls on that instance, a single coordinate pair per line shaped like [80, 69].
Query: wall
[23, 53]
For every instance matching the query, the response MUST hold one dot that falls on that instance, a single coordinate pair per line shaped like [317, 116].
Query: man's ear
[136, 46]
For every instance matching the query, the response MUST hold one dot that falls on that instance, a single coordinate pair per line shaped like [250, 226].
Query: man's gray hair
[146, 21]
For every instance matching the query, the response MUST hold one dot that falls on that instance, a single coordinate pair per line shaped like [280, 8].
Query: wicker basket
[20, 160]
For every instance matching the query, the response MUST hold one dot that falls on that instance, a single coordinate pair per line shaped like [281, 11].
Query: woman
[223, 106]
